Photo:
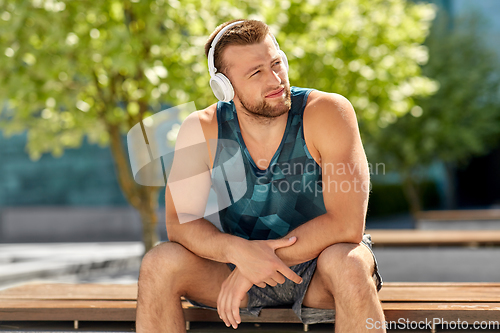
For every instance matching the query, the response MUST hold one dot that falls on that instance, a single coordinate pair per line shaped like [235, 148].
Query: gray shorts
[290, 293]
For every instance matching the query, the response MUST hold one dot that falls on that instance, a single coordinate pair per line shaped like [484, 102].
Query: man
[293, 224]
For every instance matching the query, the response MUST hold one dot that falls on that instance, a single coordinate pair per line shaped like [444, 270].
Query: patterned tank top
[266, 204]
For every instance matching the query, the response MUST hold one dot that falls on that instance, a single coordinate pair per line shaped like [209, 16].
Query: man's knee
[346, 264]
[163, 262]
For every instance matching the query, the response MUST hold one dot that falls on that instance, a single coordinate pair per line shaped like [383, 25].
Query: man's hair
[246, 33]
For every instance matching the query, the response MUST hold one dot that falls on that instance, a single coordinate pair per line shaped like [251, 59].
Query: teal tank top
[266, 204]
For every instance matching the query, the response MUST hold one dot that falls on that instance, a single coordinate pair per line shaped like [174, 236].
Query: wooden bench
[459, 214]
[459, 219]
[468, 302]
[412, 237]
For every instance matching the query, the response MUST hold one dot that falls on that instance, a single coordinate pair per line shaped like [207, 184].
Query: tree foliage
[368, 51]
[67, 65]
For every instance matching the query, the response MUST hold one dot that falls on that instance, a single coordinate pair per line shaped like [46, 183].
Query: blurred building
[73, 198]
[80, 177]
[478, 184]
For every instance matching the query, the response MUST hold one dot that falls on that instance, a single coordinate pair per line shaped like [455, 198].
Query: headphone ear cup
[222, 87]
[284, 59]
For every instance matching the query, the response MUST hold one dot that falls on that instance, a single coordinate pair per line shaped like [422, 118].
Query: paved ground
[439, 264]
[70, 262]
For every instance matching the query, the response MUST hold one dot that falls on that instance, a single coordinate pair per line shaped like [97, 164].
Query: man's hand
[232, 292]
[258, 262]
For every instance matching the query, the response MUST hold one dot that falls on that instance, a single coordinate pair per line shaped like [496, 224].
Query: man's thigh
[319, 294]
[197, 278]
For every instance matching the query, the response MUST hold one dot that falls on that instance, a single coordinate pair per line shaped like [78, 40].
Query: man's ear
[227, 73]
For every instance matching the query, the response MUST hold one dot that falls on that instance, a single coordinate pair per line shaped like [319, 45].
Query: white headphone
[220, 84]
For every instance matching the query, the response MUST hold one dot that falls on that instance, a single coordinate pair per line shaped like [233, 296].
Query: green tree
[75, 69]
[460, 120]
[368, 51]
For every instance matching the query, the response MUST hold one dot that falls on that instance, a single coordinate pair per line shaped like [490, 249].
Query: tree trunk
[412, 195]
[142, 198]
[149, 219]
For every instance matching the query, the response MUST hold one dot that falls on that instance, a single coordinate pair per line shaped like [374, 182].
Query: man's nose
[274, 78]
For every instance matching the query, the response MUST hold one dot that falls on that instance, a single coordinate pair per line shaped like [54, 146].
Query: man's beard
[265, 109]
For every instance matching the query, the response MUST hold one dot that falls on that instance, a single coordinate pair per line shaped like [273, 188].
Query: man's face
[259, 78]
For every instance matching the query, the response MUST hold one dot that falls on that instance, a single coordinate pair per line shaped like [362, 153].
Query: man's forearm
[203, 239]
[316, 235]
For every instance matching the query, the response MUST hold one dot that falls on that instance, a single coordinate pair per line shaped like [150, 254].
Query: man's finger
[236, 308]
[282, 242]
[222, 315]
[219, 303]
[287, 272]
[221, 306]
[229, 310]
[261, 285]
[271, 282]
[279, 278]
[236, 315]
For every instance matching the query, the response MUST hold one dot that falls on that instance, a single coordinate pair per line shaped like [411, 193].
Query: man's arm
[187, 193]
[345, 181]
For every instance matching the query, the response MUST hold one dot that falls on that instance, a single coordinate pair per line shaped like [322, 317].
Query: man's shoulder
[321, 99]
[208, 115]
[205, 116]
[323, 106]
[205, 119]
[329, 115]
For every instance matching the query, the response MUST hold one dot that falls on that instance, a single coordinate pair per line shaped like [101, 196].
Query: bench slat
[65, 310]
[465, 312]
[440, 293]
[469, 214]
[125, 311]
[71, 291]
[29, 310]
[402, 292]
[413, 237]
[98, 302]
[441, 284]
